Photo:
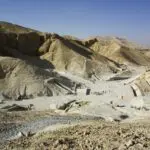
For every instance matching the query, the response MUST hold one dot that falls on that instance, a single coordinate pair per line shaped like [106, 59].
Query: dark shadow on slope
[9, 52]
[104, 59]
[77, 48]
[86, 52]
[40, 63]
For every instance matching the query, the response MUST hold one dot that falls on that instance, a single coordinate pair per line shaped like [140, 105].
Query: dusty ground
[94, 135]
[22, 116]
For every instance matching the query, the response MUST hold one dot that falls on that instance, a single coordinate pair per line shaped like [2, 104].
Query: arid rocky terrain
[96, 135]
[99, 86]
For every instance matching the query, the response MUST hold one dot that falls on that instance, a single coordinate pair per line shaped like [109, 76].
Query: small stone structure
[85, 91]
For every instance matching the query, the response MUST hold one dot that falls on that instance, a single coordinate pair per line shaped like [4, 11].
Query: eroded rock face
[45, 47]
[64, 54]
[11, 40]
[73, 57]
[119, 50]
[2, 74]
[20, 80]
[8, 39]
[143, 83]
[28, 43]
[25, 43]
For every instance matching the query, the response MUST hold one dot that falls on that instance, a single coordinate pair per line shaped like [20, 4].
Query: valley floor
[111, 117]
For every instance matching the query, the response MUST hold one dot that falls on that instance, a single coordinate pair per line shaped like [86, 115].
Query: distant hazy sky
[82, 18]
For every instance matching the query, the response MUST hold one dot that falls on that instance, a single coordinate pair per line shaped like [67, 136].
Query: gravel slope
[96, 135]
[10, 131]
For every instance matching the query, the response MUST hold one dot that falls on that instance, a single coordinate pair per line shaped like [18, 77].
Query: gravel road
[10, 131]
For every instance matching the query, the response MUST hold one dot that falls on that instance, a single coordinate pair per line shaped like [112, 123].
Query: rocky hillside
[20, 79]
[26, 53]
[72, 56]
[118, 49]
[13, 28]
[64, 53]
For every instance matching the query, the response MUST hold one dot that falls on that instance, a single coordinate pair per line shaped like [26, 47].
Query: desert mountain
[27, 54]
[13, 28]
[64, 53]
[26, 41]
[117, 40]
[72, 56]
[22, 72]
[118, 49]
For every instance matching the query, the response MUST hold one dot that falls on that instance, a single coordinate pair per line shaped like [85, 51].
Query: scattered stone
[66, 105]
[124, 117]
[120, 105]
[73, 104]
[86, 132]
[139, 146]
[98, 93]
[122, 147]
[111, 102]
[129, 143]
[19, 135]
[45, 144]
[29, 134]
[16, 107]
